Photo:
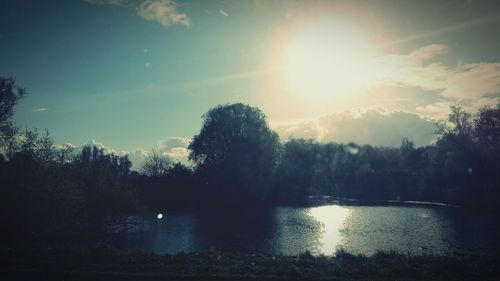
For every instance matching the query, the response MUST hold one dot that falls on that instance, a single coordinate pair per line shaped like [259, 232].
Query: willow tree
[235, 154]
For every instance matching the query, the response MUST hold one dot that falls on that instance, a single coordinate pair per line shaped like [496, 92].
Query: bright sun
[329, 59]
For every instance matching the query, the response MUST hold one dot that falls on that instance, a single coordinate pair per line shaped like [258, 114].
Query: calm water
[358, 229]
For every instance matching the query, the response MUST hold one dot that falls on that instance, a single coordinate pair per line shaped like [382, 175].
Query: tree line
[53, 193]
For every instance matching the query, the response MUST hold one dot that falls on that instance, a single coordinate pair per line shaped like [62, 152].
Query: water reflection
[332, 220]
[404, 229]
[296, 232]
[249, 231]
[171, 234]
[286, 230]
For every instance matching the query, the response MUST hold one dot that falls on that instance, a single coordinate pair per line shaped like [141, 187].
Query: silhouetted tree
[487, 130]
[156, 164]
[64, 153]
[235, 154]
[45, 149]
[10, 94]
[9, 140]
[459, 123]
[297, 170]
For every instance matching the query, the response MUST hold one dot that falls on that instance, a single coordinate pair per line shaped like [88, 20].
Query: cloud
[106, 149]
[173, 142]
[175, 147]
[164, 12]
[224, 13]
[471, 85]
[438, 110]
[374, 126]
[424, 54]
[467, 24]
[65, 145]
[137, 158]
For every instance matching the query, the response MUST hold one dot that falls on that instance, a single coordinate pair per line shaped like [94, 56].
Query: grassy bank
[114, 265]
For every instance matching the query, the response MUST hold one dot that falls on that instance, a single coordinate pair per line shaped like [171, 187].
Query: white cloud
[173, 142]
[375, 126]
[424, 54]
[164, 12]
[470, 85]
[437, 111]
[175, 147]
[106, 149]
[65, 145]
[224, 13]
[137, 158]
[178, 153]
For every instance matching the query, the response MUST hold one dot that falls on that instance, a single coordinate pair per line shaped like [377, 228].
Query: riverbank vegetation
[56, 194]
[112, 265]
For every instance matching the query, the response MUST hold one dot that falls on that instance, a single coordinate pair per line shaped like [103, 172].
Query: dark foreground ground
[213, 265]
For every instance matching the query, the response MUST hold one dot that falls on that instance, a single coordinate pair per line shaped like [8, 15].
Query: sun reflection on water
[332, 220]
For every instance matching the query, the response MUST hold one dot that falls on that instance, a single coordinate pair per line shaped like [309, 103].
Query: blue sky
[133, 74]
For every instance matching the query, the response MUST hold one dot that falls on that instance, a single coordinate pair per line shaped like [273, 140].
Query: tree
[235, 153]
[156, 164]
[487, 138]
[64, 153]
[124, 165]
[45, 148]
[487, 130]
[407, 150]
[9, 142]
[461, 124]
[10, 94]
[299, 170]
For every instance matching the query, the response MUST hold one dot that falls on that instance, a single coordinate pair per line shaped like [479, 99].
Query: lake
[321, 230]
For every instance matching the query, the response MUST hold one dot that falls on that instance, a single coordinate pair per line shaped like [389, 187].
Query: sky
[130, 75]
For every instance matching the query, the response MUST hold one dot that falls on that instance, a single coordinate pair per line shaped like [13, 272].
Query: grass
[115, 265]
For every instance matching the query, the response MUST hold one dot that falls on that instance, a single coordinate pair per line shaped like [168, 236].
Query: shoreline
[351, 201]
[215, 265]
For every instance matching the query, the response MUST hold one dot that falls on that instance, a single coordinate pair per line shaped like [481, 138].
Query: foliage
[461, 168]
[10, 94]
[173, 191]
[105, 264]
[156, 164]
[52, 194]
[235, 154]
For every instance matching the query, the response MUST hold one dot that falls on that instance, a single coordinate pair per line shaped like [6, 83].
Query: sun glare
[329, 59]
[332, 219]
